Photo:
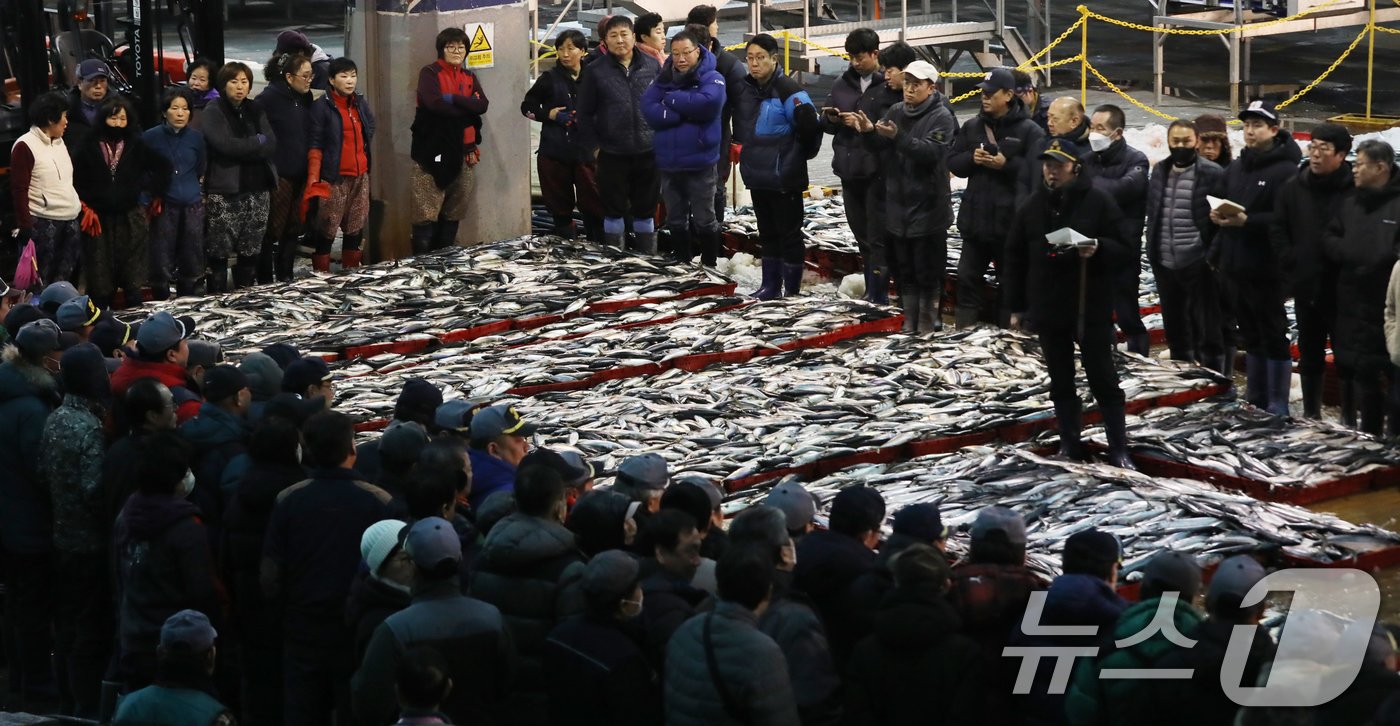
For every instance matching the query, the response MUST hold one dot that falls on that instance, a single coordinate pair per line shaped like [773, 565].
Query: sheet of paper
[1224, 206]
[1068, 237]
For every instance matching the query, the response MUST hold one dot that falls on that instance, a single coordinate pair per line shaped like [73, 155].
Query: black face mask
[1182, 156]
[111, 133]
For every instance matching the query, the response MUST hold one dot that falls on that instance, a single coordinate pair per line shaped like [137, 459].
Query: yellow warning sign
[480, 54]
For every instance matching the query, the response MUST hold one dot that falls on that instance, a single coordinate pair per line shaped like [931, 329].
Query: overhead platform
[916, 30]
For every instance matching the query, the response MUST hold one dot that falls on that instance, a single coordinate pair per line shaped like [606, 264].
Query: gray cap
[578, 463]
[1172, 571]
[38, 338]
[205, 353]
[496, 421]
[645, 471]
[163, 331]
[1235, 577]
[57, 293]
[1000, 519]
[454, 415]
[432, 541]
[710, 486]
[795, 502]
[188, 631]
[610, 576]
[403, 441]
[77, 313]
[264, 375]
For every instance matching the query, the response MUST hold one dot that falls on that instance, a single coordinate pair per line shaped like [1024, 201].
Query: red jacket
[187, 401]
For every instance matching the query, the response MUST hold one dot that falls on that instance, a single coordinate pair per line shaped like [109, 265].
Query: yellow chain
[1057, 41]
[1388, 30]
[1056, 64]
[1333, 67]
[1125, 96]
[1198, 31]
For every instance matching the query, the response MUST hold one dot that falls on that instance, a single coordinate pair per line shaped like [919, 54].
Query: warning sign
[480, 54]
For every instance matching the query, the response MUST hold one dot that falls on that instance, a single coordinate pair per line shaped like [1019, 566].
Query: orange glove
[154, 209]
[734, 151]
[90, 224]
[314, 186]
[473, 157]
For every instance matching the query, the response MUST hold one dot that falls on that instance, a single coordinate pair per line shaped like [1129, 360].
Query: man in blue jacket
[499, 440]
[610, 119]
[683, 107]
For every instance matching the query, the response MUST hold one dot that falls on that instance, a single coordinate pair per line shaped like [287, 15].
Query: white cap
[378, 541]
[922, 70]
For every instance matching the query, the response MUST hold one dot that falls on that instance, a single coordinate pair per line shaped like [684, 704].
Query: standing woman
[241, 145]
[446, 130]
[177, 209]
[566, 168]
[46, 205]
[287, 103]
[778, 127]
[112, 170]
[200, 79]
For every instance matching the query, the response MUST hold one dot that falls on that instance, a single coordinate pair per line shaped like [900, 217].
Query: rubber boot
[1280, 379]
[1228, 367]
[267, 258]
[709, 248]
[321, 262]
[1392, 420]
[350, 253]
[681, 248]
[186, 288]
[593, 229]
[1312, 397]
[1256, 380]
[614, 239]
[287, 251]
[910, 297]
[1348, 403]
[965, 317]
[445, 233]
[564, 227]
[1140, 343]
[160, 291]
[772, 286]
[1371, 405]
[877, 286]
[217, 281]
[245, 272]
[869, 285]
[792, 278]
[1115, 429]
[929, 319]
[645, 243]
[422, 238]
[1069, 420]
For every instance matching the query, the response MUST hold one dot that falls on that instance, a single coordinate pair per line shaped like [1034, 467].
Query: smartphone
[831, 112]
[989, 148]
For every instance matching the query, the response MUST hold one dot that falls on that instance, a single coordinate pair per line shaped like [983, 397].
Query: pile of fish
[480, 371]
[792, 409]
[429, 295]
[1245, 442]
[1058, 499]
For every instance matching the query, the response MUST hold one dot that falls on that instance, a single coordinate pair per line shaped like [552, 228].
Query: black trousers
[1229, 328]
[977, 254]
[780, 224]
[1095, 353]
[865, 212]
[317, 682]
[629, 185]
[1190, 311]
[1314, 309]
[1126, 305]
[1258, 305]
[920, 261]
[29, 619]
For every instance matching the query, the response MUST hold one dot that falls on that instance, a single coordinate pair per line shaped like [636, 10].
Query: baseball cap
[56, 294]
[188, 631]
[20, 316]
[710, 487]
[646, 471]
[795, 502]
[303, 373]
[1093, 545]
[1334, 134]
[1261, 109]
[858, 507]
[1060, 150]
[39, 337]
[993, 520]
[571, 474]
[920, 564]
[610, 576]
[418, 395]
[583, 469]
[379, 541]
[920, 521]
[110, 333]
[455, 415]
[997, 79]
[222, 382]
[1234, 578]
[432, 541]
[496, 421]
[264, 375]
[77, 313]
[1173, 571]
[163, 331]
[923, 70]
[403, 442]
[92, 68]
[293, 408]
[283, 353]
[205, 353]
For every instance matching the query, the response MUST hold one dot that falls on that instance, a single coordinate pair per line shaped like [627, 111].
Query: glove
[314, 186]
[154, 209]
[262, 139]
[90, 224]
[473, 157]
[734, 151]
[564, 117]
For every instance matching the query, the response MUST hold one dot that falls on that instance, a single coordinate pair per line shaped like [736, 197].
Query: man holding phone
[989, 152]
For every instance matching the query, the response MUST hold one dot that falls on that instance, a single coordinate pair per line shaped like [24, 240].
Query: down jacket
[778, 127]
[238, 161]
[749, 663]
[28, 394]
[1307, 204]
[990, 199]
[684, 111]
[851, 157]
[1361, 243]
[1208, 176]
[610, 104]
[1253, 181]
[918, 197]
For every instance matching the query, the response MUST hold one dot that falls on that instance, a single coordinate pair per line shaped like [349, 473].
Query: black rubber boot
[910, 298]
[1069, 420]
[160, 291]
[217, 281]
[287, 251]
[1280, 384]
[1312, 397]
[1371, 404]
[615, 239]
[930, 321]
[1140, 343]
[792, 278]
[245, 272]
[1348, 403]
[267, 258]
[445, 234]
[564, 227]
[681, 248]
[1256, 380]
[709, 248]
[772, 285]
[877, 286]
[1115, 428]
[422, 238]
[593, 229]
[644, 243]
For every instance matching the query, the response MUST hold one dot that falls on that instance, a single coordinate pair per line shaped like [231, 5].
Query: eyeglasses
[683, 53]
[455, 47]
[1318, 147]
[305, 76]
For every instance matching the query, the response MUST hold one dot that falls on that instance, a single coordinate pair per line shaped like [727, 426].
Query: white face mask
[186, 485]
[1099, 142]
[299, 459]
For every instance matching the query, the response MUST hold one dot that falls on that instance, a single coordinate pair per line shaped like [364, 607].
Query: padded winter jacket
[1307, 205]
[28, 394]
[1253, 181]
[1122, 172]
[851, 157]
[684, 112]
[610, 104]
[558, 140]
[990, 198]
[239, 162]
[1208, 176]
[918, 198]
[747, 663]
[778, 127]
[1361, 244]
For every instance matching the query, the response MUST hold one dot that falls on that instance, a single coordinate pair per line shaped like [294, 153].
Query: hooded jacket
[1308, 204]
[245, 532]
[915, 650]
[610, 104]
[555, 89]
[1043, 283]
[990, 198]
[684, 109]
[71, 467]
[163, 566]
[599, 675]
[918, 198]
[1253, 181]
[238, 161]
[28, 394]
[749, 663]
[289, 113]
[489, 475]
[778, 127]
[371, 601]
[1361, 244]
[1208, 177]
[852, 158]
[186, 158]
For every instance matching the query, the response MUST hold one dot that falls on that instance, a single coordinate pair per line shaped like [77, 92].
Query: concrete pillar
[390, 46]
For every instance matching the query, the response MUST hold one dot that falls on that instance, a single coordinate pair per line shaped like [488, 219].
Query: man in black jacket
[833, 566]
[568, 173]
[1307, 204]
[1242, 253]
[1065, 294]
[1122, 172]
[989, 152]
[1179, 233]
[861, 88]
[610, 119]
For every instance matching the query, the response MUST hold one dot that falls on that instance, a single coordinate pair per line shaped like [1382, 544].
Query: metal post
[904, 20]
[1084, 56]
[535, 42]
[1235, 61]
[1370, 56]
[1159, 41]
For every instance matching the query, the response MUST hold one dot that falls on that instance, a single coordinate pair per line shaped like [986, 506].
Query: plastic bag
[27, 271]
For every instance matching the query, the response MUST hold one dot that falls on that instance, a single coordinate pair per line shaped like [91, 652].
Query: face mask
[299, 459]
[1099, 142]
[631, 609]
[186, 485]
[1182, 156]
